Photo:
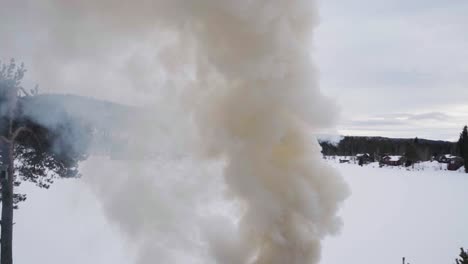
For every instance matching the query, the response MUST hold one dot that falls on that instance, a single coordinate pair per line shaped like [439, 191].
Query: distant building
[364, 158]
[455, 163]
[392, 160]
[446, 158]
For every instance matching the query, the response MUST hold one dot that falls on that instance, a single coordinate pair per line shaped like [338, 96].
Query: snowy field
[392, 213]
[422, 215]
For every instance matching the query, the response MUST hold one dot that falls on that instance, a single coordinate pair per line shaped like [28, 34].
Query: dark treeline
[422, 148]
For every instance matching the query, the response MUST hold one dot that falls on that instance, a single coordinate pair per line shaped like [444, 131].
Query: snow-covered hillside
[392, 213]
[99, 127]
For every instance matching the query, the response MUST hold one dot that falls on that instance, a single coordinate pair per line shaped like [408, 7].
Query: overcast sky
[397, 68]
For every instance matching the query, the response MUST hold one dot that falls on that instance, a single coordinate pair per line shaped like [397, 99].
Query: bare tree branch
[24, 91]
[25, 130]
[4, 139]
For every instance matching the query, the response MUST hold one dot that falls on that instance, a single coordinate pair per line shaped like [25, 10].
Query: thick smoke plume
[244, 86]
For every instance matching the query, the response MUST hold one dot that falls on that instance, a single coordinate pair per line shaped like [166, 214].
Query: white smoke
[240, 85]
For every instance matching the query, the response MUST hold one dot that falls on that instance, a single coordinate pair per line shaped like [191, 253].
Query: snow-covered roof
[449, 156]
[361, 155]
[394, 158]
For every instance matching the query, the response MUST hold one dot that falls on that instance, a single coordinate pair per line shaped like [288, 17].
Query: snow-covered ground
[422, 215]
[392, 213]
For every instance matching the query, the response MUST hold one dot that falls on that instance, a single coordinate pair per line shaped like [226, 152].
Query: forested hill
[109, 128]
[352, 145]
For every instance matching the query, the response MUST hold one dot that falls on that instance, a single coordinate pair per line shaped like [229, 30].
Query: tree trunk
[7, 180]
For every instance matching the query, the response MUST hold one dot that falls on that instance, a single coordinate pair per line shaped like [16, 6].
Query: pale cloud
[388, 57]
[434, 125]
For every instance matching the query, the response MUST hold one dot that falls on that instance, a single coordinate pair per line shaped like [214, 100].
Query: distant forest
[422, 148]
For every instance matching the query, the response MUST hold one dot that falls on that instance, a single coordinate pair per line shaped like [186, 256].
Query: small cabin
[364, 158]
[391, 160]
[455, 163]
[446, 158]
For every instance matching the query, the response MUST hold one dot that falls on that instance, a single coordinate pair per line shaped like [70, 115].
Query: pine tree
[28, 151]
[463, 257]
[411, 154]
[463, 146]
